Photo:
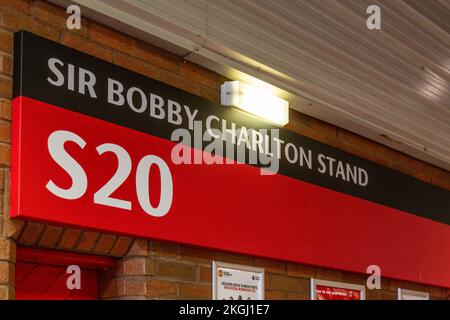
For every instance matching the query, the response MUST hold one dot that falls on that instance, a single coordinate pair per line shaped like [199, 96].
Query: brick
[6, 64]
[134, 266]
[6, 198]
[422, 176]
[198, 74]
[443, 183]
[5, 88]
[434, 171]
[6, 293]
[121, 246]
[328, 274]
[298, 118]
[235, 258]
[5, 109]
[442, 175]
[446, 293]
[160, 289]
[116, 271]
[110, 274]
[388, 295]
[436, 291]
[138, 248]
[83, 44]
[17, 5]
[221, 79]
[395, 284]
[57, 16]
[14, 22]
[7, 250]
[6, 41]
[31, 233]
[135, 65]
[141, 297]
[358, 140]
[356, 150]
[164, 249]
[175, 270]
[108, 289]
[5, 132]
[393, 158]
[409, 162]
[131, 287]
[300, 270]
[397, 166]
[274, 295]
[105, 243]
[286, 283]
[373, 294]
[150, 266]
[419, 287]
[87, 240]
[310, 133]
[193, 291]
[319, 136]
[157, 57]
[6, 272]
[210, 94]
[51, 236]
[112, 39]
[179, 82]
[14, 228]
[197, 255]
[70, 238]
[205, 274]
[271, 266]
[323, 127]
[298, 296]
[267, 281]
[355, 278]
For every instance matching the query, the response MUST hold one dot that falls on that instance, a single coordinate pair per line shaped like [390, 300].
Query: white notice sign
[237, 282]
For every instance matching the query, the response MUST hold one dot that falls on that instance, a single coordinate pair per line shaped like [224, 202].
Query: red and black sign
[97, 146]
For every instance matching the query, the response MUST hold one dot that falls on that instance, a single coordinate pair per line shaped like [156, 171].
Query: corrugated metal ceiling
[393, 82]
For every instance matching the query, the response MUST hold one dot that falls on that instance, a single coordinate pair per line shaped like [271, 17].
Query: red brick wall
[153, 269]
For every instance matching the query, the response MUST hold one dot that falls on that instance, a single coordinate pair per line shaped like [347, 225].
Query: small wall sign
[330, 290]
[404, 294]
[237, 282]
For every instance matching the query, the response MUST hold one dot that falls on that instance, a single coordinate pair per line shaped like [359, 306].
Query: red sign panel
[93, 148]
[114, 180]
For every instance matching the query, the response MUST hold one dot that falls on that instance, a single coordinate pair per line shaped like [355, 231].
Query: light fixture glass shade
[255, 101]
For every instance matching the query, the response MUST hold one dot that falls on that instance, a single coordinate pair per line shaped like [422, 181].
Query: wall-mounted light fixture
[255, 101]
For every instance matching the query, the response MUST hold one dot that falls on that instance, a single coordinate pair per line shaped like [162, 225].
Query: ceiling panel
[393, 82]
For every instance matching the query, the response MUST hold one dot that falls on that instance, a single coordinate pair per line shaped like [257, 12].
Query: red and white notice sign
[328, 290]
